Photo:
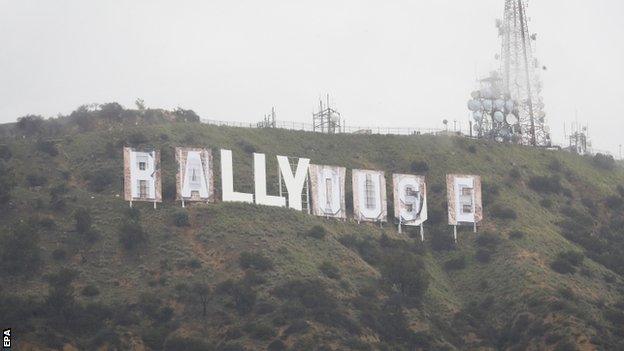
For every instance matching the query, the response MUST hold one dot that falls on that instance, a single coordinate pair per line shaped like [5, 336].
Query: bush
[505, 213]
[34, 180]
[247, 147]
[455, 264]
[181, 218]
[131, 235]
[255, 260]
[260, 331]
[277, 345]
[516, 234]
[178, 343]
[317, 232]
[83, 221]
[30, 125]
[419, 166]
[488, 240]
[102, 179]
[406, 272]
[7, 183]
[137, 138]
[20, 253]
[483, 256]
[90, 291]
[242, 295]
[545, 184]
[5, 153]
[567, 262]
[604, 161]
[183, 115]
[47, 147]
[330, 270]
[442, 241]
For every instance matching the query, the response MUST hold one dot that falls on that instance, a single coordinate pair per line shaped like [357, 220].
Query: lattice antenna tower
[327, 120]
[520, 73]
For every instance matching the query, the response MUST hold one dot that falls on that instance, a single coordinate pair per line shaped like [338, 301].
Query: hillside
[81, 270]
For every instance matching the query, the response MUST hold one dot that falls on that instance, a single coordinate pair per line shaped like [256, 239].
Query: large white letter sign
[260, 181]
[142, 178]
[194, 178]
[227, 180]
[294, 183]
[369, 196]
[328, 191]
[464, 199]
[410, 199]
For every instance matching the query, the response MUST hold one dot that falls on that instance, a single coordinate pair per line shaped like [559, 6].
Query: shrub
[260, 330]
[546, 184]
[406, 272]
[442, 241]
[102, 179]
[317, 232]
[137, 138]
[7, 183]
[178, 343]
[20, 253]
[36, 180]
[603, 161]
[488, 240]
[183, 115]
[255, 260]
[483, 256]
[419, 166]
[247, 147]
[502, 212]
[131, 235]
[90, 291]
[30, 124]
[243, 297]
[277, 345]
[83, 221]
[330, 270]
[614, 202]
[567, 262]
[181, 218]
[455, 264]
[516, 234]
[47, 147]
[555, 165]
[5, 153]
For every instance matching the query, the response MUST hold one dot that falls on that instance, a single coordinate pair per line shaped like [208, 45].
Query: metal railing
[308, 127]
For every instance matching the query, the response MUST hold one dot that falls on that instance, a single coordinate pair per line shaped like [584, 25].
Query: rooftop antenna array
[578, 139]
[519, 73]
[269, 120]
[327, 120]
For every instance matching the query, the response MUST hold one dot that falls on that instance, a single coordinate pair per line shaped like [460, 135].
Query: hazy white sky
[388, 63]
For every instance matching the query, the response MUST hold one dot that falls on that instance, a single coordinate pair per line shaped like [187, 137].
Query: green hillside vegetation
[81, 269]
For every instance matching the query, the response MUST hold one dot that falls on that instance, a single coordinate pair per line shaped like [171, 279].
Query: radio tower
[519, 71]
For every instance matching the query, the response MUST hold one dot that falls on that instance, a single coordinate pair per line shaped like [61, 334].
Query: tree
[406, 273]
[60, 300]
[202, 291]
[30, 125]
[183, 115]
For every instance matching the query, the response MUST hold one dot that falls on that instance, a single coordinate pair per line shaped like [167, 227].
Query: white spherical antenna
[474, 105]
[475, 94]
[499, 105]
[511, 119]
[487, 105]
